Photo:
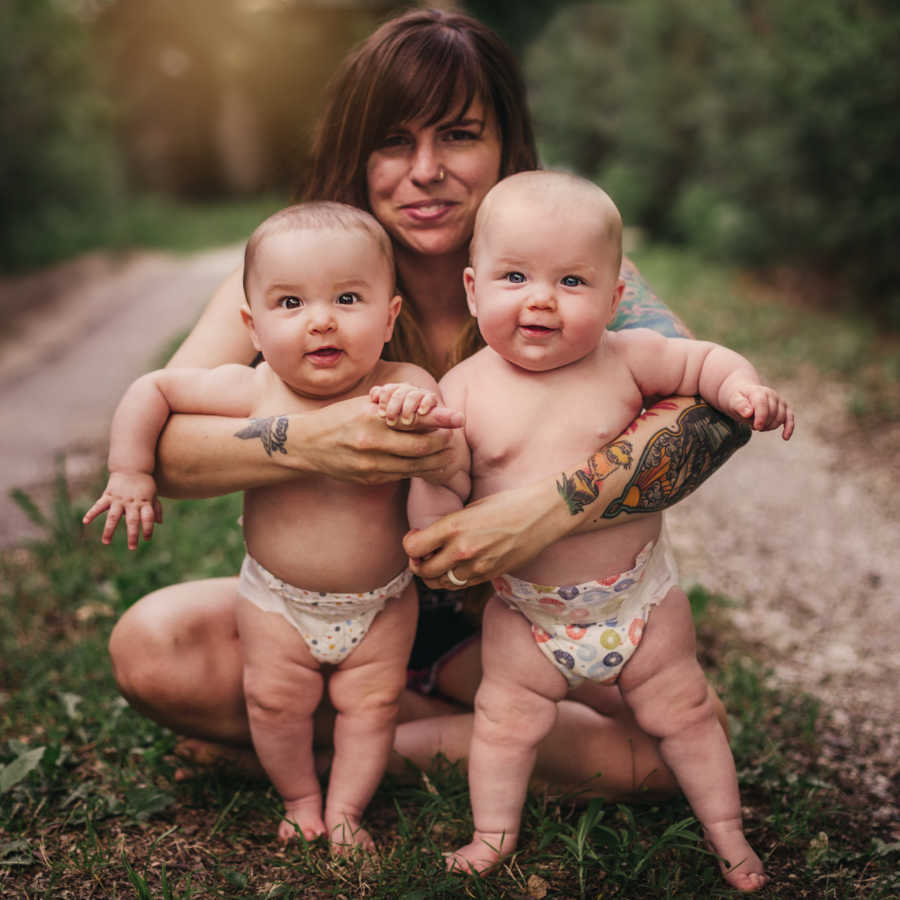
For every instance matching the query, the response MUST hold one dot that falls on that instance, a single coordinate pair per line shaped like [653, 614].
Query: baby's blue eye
[572, 280]
[515, 277]
[290, 302]
[348, 299]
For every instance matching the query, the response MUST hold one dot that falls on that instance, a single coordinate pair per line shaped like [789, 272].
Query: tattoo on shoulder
[674, 462]
[272, 431]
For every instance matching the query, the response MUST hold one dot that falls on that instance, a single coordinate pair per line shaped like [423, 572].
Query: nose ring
[442, 174]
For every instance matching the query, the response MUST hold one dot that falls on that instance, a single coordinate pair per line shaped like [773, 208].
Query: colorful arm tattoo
[675, 462]
[272, 431]
[641, 308]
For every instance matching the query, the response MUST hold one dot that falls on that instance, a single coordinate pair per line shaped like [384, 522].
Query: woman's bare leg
[176, 657]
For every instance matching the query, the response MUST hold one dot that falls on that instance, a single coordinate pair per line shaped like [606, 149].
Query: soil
[803, 537]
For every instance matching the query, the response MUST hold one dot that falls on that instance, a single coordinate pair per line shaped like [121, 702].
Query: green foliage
[759, 132]
[58, 163]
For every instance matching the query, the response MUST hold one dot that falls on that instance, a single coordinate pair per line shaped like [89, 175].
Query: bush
[58, 162]
[760, 133]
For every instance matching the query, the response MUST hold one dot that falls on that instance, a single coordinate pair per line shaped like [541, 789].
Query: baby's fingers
[788, 427]
[96, 509]
[417, 403]
[148, 519]
[112, 520]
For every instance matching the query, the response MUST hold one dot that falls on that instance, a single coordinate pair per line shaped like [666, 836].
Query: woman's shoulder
[641, 308]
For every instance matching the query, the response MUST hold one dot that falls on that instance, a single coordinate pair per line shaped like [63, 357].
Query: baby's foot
[486, 851]
[742, 868]
[199, 755]
[347, 834]
[304, 815]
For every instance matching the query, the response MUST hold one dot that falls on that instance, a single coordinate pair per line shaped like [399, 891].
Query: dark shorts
[443, 630]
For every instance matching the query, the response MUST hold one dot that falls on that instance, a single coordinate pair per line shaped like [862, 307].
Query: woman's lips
[427, 211]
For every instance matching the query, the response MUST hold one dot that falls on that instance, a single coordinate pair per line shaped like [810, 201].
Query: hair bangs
[430, 80]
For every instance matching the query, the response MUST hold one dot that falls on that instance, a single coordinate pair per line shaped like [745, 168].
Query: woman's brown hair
[416, 66]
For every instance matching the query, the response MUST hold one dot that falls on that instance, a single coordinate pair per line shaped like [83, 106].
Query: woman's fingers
[488, 538]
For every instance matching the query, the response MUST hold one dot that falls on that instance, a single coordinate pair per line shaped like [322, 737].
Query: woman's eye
[290, 302]
[348, 299]
[572, 280]
[394, 140]
[459, 134]
[515, 277]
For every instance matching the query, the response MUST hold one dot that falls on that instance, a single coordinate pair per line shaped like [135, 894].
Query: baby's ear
[469, 285]
[393, 311]
[618, 293]
[247, 319]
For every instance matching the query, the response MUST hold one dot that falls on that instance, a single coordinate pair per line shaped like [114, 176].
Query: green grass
[88, 801]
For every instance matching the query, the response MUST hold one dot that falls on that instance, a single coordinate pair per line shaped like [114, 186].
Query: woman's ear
[247, 319]
[393, 311]
[469, 285]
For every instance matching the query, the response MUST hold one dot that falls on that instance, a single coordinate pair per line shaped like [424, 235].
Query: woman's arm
[662, 457]
[203, 456]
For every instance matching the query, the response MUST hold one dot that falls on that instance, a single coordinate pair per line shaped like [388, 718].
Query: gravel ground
[803, 536]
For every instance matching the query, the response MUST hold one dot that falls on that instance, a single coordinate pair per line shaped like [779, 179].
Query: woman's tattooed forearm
[675, 461]
[582, 487]
[272, 431]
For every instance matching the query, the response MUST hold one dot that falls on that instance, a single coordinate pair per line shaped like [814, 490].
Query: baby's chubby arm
[725, 379]
[137, 423]
[401, 404]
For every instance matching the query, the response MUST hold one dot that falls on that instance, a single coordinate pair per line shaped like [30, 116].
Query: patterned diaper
[589, 631]
[331, 624]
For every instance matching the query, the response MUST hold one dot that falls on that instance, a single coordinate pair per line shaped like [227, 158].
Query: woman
[423, 119]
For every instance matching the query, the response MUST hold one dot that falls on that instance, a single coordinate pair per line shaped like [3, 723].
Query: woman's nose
[426, 167]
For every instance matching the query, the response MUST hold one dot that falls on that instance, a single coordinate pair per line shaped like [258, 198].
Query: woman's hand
[494, 535]
[351, 442]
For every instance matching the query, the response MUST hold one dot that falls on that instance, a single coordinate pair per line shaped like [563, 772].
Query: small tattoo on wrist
[272, 431]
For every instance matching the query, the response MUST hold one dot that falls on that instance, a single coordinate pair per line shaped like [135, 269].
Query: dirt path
[804, 536]
[73, 339]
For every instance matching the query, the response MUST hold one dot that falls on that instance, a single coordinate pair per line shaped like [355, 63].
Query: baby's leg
[665, 686]
[283, 688]
[515, 708]
[365, 691]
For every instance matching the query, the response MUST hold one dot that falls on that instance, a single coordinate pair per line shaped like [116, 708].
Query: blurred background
[755, 131]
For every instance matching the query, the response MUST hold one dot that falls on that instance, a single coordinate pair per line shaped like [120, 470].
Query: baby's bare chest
[522, 429]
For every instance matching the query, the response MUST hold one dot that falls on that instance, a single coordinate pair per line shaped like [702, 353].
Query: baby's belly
[338, 540]
[593, 556]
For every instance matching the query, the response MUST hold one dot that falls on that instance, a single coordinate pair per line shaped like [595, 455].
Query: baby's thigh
[376, 669]
[664, 669]
[277, 662]
[510, 655]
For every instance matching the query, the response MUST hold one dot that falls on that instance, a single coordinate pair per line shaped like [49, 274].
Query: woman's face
[426, 182]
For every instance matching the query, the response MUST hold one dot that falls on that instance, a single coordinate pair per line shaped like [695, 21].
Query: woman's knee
[140, 655]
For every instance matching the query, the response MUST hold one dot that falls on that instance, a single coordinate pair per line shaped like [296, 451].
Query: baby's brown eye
[290, 302]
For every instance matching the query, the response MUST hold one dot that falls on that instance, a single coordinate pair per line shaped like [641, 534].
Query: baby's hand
[134, 496]
[403, 406]
[763, 408]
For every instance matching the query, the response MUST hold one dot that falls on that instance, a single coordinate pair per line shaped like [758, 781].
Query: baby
[323, 554]
[605, 606]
